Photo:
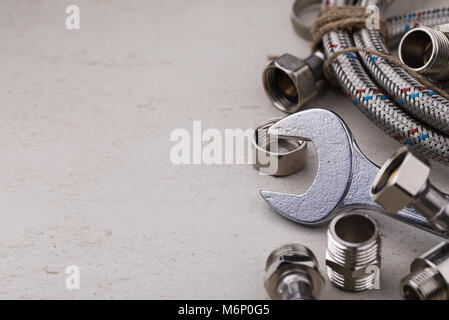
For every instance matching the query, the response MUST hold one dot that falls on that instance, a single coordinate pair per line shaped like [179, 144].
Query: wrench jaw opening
[344, 174]
[332, 142]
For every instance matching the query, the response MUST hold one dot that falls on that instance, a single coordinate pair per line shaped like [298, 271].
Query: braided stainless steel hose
[422, 103]
[379, 107]
[394, 100]
[399, 25]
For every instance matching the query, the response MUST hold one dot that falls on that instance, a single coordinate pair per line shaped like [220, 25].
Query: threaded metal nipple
[426, 50]
[426, 284]
[429, 277]
[353, 256]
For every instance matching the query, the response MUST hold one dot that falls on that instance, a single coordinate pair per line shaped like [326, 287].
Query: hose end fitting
[426, 51]
[291, 273]
[290, 82]
[404, 180]
[400, 180]
[429, 277]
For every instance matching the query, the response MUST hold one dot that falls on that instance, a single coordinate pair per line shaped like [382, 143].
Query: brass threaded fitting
[426, 50]
[429, 277]
[353, 255]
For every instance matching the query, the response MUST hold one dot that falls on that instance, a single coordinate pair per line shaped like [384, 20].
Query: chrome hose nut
[291, 82]
[429, 277]
[404, 180]
[400, 180]
[353, 255]
[292, 273]
[426, 51]
[288, 157]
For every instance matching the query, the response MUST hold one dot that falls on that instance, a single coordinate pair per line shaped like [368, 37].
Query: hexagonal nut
[400, 180]
[289, 83]
[354, 272]
[290, 259]
[286, 161]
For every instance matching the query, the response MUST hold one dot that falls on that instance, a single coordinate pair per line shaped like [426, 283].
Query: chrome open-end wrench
[344, 176]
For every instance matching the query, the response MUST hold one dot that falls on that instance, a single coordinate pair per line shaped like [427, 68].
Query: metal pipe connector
[426, 51]
[429, 277]
[353, 255]
[292, 273]
[404, 180]
[277, 156]
[291, 82]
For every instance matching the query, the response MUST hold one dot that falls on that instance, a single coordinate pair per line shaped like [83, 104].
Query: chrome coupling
[429, 277]
[426, 51]
[404, 180]
[290, 82]
[353, 255]
[292, 273]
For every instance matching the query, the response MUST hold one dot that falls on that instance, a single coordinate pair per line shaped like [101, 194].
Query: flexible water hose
[398, 25]
[386, 94]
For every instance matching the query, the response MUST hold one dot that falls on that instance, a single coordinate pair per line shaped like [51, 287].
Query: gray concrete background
[84, 134]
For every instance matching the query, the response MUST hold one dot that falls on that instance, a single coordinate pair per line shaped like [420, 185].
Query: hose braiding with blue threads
[389, 96]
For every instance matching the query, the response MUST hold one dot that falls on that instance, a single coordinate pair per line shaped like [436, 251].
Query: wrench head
[334, 145]
[344, 176]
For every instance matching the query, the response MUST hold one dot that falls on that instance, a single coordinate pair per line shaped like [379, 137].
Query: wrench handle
[413, 217]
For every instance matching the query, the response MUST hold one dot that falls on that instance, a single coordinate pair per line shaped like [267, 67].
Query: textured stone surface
[86, 176]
